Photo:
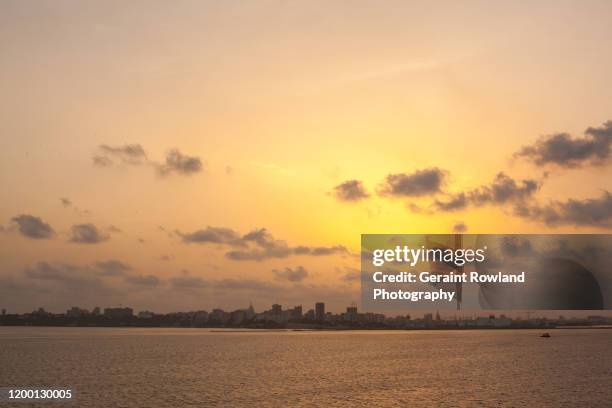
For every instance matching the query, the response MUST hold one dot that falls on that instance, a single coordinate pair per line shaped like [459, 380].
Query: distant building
[320, 311]
[351, 313]
[277, 309]
[491, 321]
[119, 312]
[40, 312]
[218, 315]
[237, 316]
[310, 315]
[76, 312]
[96, 311]
[297, 313]
[200, 318]
[249, 313]
[145, 314]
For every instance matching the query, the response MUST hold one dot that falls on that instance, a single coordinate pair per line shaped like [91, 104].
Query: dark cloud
[291, 274]
[212, 235]
[460, 227]
[87, 234]
[33, 227]
[263, 238]
[562, 150]
[595, 212]
[142, 280]
[177, 162]
[114, 229]
[133, 154]
[112, 267]
[276, 251]
[502, 190]
[281, 250]
[66, 274]
[420, 183]
[102, 161]
[67, 203]
[256, 245]
[456, 202]
[351, 190]
[320, 250]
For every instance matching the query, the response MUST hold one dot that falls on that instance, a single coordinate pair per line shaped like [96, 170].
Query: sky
[196, 154]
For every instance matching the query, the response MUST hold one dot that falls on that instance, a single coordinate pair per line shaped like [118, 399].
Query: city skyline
[296, 319]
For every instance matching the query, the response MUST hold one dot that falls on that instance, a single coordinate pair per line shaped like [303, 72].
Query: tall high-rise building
[351, 313]
[297, 312]
[320, 311]
[277, 309]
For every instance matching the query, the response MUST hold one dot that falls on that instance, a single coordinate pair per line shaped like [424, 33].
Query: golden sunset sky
[172, 130]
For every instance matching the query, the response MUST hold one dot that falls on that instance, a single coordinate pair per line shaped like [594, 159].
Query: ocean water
[130, 367]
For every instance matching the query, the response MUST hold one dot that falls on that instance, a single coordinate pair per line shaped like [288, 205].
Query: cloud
[135, 155]
[595, 212]
[267, 247]
[263, 238]
[213, 235]
[502, 190]
[87, 234]
[350, 191]
[292, 275]
[456, 202]
[349, 274]
[67, 203]
[102, 161]
[561, 149]
[256, 245]
[276, 251]
[420, 183]
[132, 154]
[320, 250]
[460, 227]
[142, 280]
[72, 276]
[177, 162]
[33, 227]
[112, 267]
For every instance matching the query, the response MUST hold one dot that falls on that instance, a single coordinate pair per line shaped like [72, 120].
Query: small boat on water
[545, 335]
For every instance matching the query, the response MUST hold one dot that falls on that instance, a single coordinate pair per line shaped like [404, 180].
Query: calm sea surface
[198, 367]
